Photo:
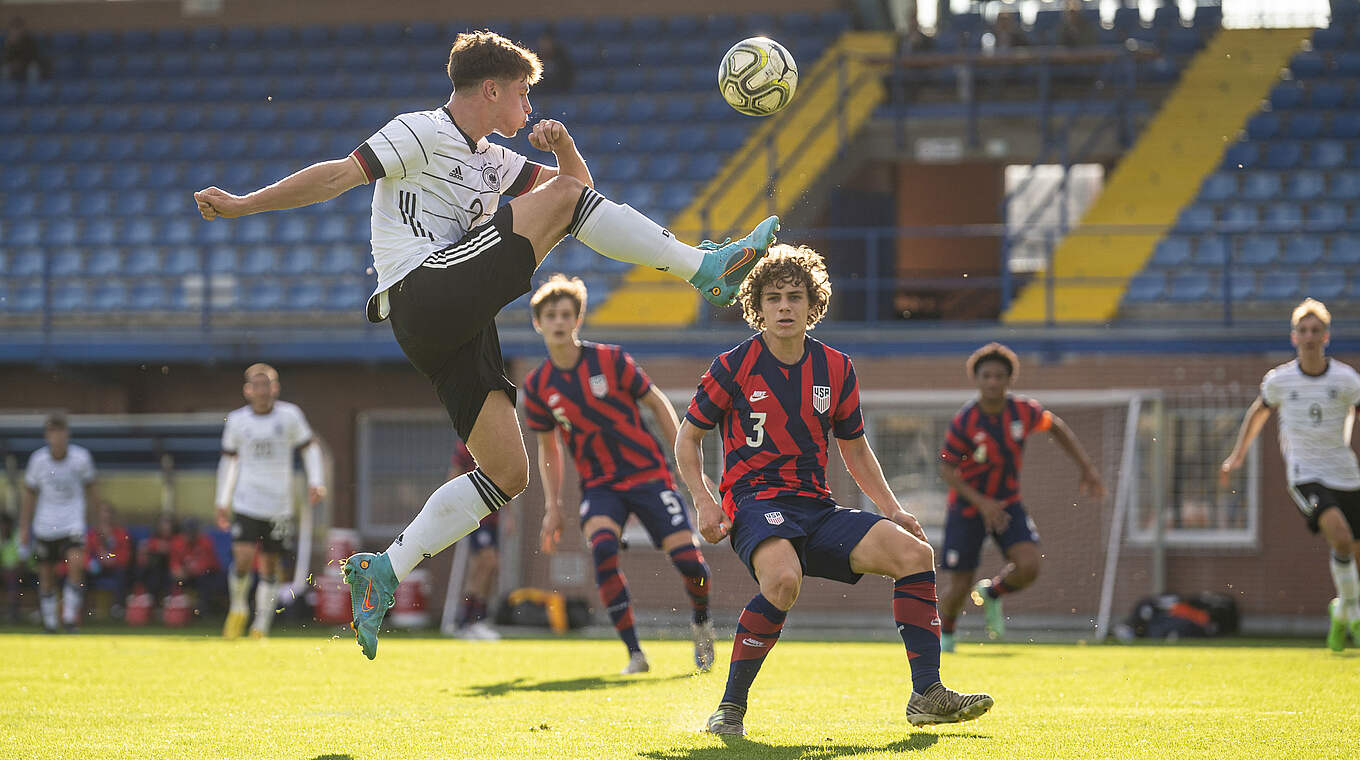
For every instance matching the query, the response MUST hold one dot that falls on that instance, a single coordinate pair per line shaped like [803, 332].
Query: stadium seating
[1282, 212]
[101, 160]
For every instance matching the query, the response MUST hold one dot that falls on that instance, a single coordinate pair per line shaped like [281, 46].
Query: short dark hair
[993, 352]
[478, 56]
[55, 422]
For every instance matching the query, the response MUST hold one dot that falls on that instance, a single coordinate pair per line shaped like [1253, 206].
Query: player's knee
[911, 556]
[781, 587]
[511, 476]
[1025, 572]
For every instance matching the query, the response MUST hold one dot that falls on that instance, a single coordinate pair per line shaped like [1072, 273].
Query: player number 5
[758, 422]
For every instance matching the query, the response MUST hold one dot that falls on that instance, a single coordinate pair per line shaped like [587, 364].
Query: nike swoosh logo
[747, 254]
[368, 597]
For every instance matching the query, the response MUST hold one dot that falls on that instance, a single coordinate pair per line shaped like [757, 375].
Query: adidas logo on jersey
[457, 172]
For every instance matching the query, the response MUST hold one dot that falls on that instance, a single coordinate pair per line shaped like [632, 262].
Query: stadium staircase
[1161, 173]
[772, 169]
[1280, 218]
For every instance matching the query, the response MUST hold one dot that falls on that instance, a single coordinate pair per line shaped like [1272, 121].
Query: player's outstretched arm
[552, 135]
[317, 183]
[714, 524]
[868, 474]
[1255, 419]
[550, 472]
[1091, 483]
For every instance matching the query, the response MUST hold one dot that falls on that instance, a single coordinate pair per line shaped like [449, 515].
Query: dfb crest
[821, 398]
[599, 386]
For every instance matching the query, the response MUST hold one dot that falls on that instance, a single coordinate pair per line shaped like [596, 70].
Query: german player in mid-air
[1315, 398]
[255, 493]
[449, 257]
[591, 396]
[59, 486]
[980, 461]
[779, 398]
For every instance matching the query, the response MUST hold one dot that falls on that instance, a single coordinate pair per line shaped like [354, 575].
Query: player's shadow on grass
[746, 748]
[567, 684]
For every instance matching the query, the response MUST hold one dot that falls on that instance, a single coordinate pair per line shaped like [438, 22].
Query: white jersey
[264, 445]
[60, 483]
[434, 183]
[1315, 417]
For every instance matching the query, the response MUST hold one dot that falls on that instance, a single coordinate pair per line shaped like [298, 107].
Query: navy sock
[918, 621]
[690, 562]
[758, 629]
[604, 545]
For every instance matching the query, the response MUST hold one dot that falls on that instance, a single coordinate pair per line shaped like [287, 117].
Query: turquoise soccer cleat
[726, 264]
[991, 608]
[1336, 634]
[372, 586]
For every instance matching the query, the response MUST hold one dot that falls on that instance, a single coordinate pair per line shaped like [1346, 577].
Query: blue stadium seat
[143, 261]
[180, 230]
[26, 263]
[1146, 287]
[259, 260]
[264, 294]
[1282, 155]
[1219, 186]
[70, 295]
[67, 264]
[1347, 64]
[1283, 214]
[1192, 285]
[1326, 95]
[1287, 95]
[1242, 285]
[296, 260]
[1308, 65]
[104, 262]
[1329, 38]
[341, 259]
[254, 230]
[304, 295]
[1325, 214]
[1303, 125]
[109, 295]
[1258, 250]
[1196, 218]
[1304, 185]
[1344, 125]
[1239, 215]
[99, 232]
[61, 233]
[1280, 284]
[294, 228]
[1324, 284]
[1327, 154]
[181, 261]
[1171, 251]
[1211, 251]
[222, 260]
[148, 295]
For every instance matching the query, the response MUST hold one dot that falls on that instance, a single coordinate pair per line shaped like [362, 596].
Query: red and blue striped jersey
[594, 407]
[988, 448]
[775, 418]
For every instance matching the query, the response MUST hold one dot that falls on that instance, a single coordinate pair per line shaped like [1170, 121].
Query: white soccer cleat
[481, 631]
[637, 663]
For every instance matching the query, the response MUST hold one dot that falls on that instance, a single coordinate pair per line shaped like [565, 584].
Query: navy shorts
[487, 535]
[660, 510]
[821, 532]
[963, 536]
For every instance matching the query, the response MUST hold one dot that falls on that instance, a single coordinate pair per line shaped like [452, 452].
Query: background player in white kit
[58, 486]
[254, 492]
[1315, 397]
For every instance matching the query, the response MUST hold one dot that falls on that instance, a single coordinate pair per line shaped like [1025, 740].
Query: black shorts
[273, 535]
[1313, 499]
[444, 315]
[54, 550]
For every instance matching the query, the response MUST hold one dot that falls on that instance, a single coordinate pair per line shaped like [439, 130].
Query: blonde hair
[993, 352]
[787, 265]
[260, 368]
[559, 286]
[1311, 307]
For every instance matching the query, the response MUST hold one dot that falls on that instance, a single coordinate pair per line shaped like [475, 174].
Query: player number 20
[758, 430]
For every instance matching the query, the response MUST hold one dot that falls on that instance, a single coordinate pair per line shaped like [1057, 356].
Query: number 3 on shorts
[758, 423]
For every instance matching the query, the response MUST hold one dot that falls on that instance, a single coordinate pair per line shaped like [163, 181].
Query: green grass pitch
[195, 696]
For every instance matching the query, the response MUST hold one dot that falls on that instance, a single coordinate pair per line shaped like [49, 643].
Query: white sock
[72, 602]
[237, 586]
[450, 513]
[47, 604]
[1347, 582]
[622, 233]
[264, 604]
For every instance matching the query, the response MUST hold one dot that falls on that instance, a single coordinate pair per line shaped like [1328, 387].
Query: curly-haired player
[779, 399]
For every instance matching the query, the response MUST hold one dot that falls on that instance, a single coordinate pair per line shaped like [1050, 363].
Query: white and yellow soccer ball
[757, 76]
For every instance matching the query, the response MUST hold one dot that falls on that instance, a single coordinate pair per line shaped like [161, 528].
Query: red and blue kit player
[589, 395]
[778, 399]
[980, 461]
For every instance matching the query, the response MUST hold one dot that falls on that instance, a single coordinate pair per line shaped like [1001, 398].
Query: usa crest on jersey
[1017, 430]
[774, 518]
[599, 386]
[821, 398]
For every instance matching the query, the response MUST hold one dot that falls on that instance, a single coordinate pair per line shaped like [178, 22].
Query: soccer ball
[757, 76]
